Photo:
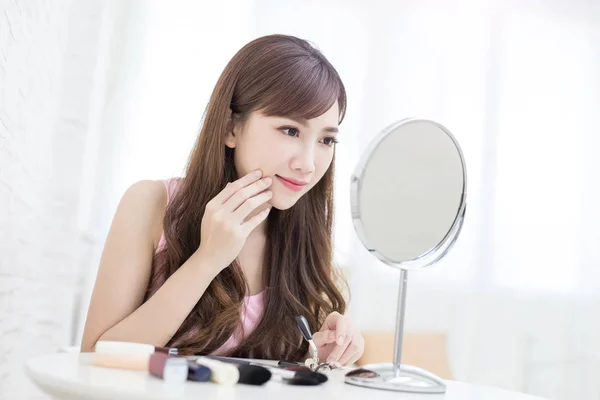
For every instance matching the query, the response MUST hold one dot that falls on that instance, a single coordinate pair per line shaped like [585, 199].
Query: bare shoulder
[126, 263]
[150, 193]
[144, 203]
[144, 196]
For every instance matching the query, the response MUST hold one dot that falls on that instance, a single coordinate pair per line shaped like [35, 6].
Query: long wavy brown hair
[278, 75]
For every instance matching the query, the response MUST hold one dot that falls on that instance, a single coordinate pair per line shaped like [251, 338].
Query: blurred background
[96, 95]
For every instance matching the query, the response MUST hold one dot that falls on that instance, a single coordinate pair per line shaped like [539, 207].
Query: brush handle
[233, 360]
[286, 364]
[304, 328]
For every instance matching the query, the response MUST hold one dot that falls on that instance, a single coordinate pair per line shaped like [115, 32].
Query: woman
[222, 260]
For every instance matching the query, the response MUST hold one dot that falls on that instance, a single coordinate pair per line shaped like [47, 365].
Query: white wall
[517, 83]
[48, 59]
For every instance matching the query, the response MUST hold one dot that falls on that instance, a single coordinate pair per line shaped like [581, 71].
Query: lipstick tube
[167, 368]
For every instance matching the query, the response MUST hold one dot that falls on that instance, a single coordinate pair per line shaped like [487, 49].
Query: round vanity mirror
[408, 196]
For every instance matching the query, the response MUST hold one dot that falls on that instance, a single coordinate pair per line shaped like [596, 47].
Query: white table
[69, 376]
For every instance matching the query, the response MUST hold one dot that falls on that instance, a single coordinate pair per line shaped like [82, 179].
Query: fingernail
[258, 172]
[267, 180]
[340, 340]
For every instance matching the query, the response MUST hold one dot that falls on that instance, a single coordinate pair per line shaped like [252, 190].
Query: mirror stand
[424, 213]
[397, 376]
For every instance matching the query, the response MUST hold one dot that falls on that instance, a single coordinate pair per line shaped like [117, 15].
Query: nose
[304, 159]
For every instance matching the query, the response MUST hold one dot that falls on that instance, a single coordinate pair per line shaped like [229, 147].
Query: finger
[355, 358]
[323, 338]
[338, 350]
[346, 357]
[350, 353]
[233, 187]
[256, 220]
[331, 321]
[242, 195]
[251, 205]
[342, 329]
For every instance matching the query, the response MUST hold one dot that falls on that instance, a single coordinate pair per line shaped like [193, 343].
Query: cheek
[241, 164]
[322, 163]
[250, 157]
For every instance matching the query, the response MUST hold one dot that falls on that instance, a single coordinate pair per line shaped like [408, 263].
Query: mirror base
[409, 379]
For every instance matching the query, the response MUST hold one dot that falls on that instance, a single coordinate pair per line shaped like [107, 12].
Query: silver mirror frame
[397, 376]
[430, 257]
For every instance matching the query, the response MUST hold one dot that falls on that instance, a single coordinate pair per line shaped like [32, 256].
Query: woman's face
[296, 154]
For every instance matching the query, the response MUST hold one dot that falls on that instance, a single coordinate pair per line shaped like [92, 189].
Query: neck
[251, 259]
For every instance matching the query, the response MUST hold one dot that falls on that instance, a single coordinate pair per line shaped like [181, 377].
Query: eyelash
[333, 140]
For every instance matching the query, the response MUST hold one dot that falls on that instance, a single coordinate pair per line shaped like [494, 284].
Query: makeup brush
[304, 377]
[249, 374]
[197, 372]
[253, 374]
[300, 377]
[222, 372]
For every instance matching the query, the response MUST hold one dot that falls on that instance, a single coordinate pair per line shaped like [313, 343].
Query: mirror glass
[408, 191]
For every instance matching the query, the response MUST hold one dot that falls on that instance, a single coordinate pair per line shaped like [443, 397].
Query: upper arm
[126, 261]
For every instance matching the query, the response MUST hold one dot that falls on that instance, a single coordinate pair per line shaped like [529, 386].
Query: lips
[294, 181]
[291, 183]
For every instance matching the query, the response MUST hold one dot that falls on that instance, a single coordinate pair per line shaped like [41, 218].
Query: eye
[289, 130]
[329, 141]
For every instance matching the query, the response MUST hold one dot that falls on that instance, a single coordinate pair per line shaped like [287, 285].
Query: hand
[338, 340]
[226, 223]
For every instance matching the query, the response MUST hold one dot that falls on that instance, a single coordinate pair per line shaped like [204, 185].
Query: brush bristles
[307, 378]
[253, 375]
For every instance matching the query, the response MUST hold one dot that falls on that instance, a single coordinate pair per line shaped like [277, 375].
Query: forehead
[328, 118]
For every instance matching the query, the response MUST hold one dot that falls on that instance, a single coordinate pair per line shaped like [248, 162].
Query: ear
[230, 139]
[233, 131]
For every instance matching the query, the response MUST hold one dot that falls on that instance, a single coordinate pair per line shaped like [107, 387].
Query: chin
[282, 204]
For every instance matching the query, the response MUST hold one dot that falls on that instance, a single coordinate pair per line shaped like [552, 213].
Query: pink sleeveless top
[252, 307]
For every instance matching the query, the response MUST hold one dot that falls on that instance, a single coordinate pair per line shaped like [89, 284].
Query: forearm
[158, 319]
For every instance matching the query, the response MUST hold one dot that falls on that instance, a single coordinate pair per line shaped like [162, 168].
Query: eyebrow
[301, 121]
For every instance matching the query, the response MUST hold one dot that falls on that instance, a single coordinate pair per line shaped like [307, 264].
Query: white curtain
[518, 83]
